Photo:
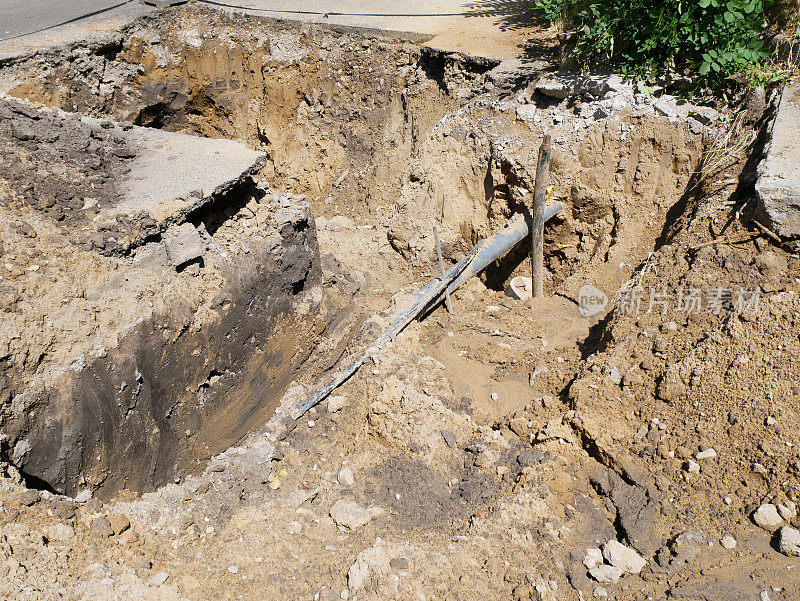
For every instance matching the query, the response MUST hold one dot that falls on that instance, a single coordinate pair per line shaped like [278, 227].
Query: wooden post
[537, 228]
[447, 302]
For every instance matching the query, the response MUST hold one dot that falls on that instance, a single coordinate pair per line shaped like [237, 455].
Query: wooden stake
[447, 302]
[537, 229]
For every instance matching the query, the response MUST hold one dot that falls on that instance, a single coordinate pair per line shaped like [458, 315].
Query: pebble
[233, 569]
[767, 517]
[101, 527]
[119, 523]
[83, 496]
[692, 467]
[789, 541]
[61, 532]
[606, 574]
[600, 592]
[593, 558]
[622, 557]
[346, 477]
[728, 542]
[159, 579]
[707, 454]
[351, 515]
[787, 510]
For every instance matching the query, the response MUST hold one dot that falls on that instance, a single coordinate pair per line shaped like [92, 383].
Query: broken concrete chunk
[564, 86]
[778, 185]
[183, 244]
[622, 557]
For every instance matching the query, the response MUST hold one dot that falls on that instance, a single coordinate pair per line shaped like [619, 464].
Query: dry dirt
[483, 452]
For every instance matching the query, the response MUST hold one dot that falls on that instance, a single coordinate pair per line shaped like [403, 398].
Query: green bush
[650, 38]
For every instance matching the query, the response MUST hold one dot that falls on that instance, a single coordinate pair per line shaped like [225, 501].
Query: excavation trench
[373, 128]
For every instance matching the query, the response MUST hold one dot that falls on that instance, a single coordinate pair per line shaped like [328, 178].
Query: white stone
[622, 557]
[692, 467]
[767, 517]
[787, 510]
[789, 541]
[346, 477]
[728, 542]
[600, 592]
[233, 569]
[295, 527]
[593, 558]
[707, 454]
[526, 113]
[606, 574]
[159, 579]
[351, 515]
[83, 496]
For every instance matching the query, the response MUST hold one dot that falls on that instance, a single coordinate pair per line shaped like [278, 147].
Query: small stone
[606, 574]
[83, 496]
[28, 497]
[398, 563]
[622, 557]
[351, 515]
[787, 510]
[767, 517]
[61, 532]
[593, 558]
[692, 467]
[159, 579]
[183, 244]
[346, 477]
[335, 403]
[764, 596]
[233, 569]
[119, 523]
[449, 439]
[600, 592]
[789, 541]
[101, 527]
[728, 542]
[707, 454]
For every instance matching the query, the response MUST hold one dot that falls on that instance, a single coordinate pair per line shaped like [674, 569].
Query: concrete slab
[778, 184]
[173, 174]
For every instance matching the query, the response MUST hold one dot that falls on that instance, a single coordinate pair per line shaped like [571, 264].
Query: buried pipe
[480, 257]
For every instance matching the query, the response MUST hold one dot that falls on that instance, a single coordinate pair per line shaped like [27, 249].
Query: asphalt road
[20, 17]
[485, 27]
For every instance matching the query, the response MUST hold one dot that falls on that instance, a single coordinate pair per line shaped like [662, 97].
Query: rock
[564, 86]
[707, 454]
[606, 574]
[61, 532]
[767, 517]
[787, 510]
[233, 569]
[789, 541]
[667, 106]
[336, 403]
[351, 515]
[593, 558]
[183, 244]
[692, 467]
[28, 497]
[622, 557]
[119, 523]
[449, 439]
[83, 496]
[687, 546]
[372, 558]
[346, 477]
[526, 113]
[778, 184]
[159, 579]
[728, 542]
[101, 527]
[399, 563]
[600, 593]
